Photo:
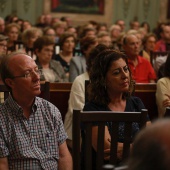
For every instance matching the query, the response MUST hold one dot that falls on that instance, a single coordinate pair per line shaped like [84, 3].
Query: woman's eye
[116, 72]
[126, 69]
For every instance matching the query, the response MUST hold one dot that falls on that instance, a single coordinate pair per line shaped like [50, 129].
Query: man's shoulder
[46, 106]
[143, 60]
[4, 111]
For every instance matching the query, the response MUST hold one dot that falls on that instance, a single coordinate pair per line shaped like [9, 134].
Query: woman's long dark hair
[101, 64]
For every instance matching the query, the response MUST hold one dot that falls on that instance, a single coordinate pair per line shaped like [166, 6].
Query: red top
[143, 72]
[160, 46]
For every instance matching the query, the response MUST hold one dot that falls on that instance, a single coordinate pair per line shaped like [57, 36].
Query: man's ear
[9, 82]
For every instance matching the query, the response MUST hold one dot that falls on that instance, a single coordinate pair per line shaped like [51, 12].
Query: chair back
[111, 167]
[87, 118]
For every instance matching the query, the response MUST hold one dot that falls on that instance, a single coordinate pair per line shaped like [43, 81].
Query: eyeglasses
[30, 74]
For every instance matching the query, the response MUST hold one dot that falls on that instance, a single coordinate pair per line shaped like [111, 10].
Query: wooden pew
[146, 92]
[59, 95]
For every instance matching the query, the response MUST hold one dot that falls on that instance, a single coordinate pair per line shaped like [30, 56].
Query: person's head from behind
[151, 147]
[3, 44]
[94, 53]
[109, 76]
[104, 38]
[30, 35]
[67, 42]
[131, 45]
[86, 44]
[21, 75]
[44, 49]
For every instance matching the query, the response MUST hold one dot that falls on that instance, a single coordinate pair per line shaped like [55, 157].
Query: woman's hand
[106, 154]
[119, 151]
[166, 102]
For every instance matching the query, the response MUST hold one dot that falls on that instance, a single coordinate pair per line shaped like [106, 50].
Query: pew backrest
[146, 92]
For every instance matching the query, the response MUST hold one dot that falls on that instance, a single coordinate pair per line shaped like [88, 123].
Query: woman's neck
[66, 56]
[10, 43]
[45, 65]
[117, 103]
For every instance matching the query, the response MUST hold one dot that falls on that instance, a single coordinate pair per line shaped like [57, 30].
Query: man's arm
[4, 164]
[65, 159]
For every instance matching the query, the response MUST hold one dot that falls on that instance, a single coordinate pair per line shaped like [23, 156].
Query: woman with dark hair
[163, 89]
[67, 43]
[110, 89]
[146, 26]
[77, 94]
[78, 63]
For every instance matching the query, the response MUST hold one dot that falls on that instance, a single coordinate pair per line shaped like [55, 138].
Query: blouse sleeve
[162, 89]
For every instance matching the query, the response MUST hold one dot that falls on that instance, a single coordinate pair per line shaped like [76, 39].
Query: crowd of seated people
[137, 43]
[19, 30]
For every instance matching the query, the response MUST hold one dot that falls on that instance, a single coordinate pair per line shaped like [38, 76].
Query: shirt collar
[139, 58]
[17, 109]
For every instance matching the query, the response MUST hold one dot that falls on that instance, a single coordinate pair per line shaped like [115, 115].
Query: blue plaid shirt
[31, 143]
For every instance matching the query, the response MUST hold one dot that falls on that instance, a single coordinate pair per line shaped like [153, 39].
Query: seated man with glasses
[32, 135]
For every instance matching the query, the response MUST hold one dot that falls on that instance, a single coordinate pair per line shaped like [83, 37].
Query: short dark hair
[94, 53]
[86, 42]
[43, 41]
[63, 38]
